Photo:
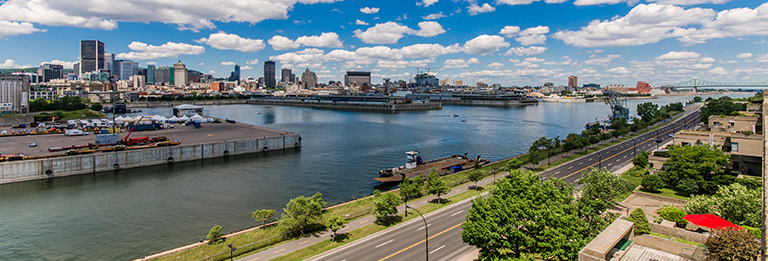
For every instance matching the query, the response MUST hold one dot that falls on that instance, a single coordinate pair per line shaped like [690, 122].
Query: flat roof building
[357, 78]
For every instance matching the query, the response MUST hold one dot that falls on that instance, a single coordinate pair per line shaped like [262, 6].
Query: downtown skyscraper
[91, 56]
[269, 74]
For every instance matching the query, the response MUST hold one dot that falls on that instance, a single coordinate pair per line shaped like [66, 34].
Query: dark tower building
[269, 74]
[151, 73]
[91, 56]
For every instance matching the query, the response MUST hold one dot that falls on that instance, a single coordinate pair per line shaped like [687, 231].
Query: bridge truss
[696, 83]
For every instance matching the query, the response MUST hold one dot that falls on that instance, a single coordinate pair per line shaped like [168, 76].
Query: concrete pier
[210, 141]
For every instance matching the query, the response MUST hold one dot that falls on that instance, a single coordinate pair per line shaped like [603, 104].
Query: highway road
[406, 241]
[618, 155]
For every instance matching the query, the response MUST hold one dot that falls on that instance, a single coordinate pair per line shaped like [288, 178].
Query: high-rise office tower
[50, 71]
[179, 74]
[151, 73]
[308, 79]
[235, 75]
[357, 78]
[573, 81]
[109, 62]
[91, 56]
[286, 75]
[269, 74]
[126, 69]
[162, 75]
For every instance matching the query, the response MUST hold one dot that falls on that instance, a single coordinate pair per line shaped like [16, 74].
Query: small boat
[463, 120]
[258, 112]
[230, 121]
[455, 115]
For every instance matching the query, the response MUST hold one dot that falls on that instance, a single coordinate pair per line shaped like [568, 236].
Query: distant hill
[34, 70]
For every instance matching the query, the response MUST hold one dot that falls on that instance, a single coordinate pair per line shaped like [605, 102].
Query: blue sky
[511, 42]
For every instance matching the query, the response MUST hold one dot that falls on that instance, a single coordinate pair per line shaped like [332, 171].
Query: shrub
[658, 220]
[756, 232]
[733, 244]
[652, 183]
[641, 160]
[641, 221]
[671, 213]
[214, 236]
[750, 183]
[688, 185]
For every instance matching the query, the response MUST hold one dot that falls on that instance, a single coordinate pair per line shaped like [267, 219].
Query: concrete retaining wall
[13, 120]
[666, 245]
[679, 233]
[352, 106]
[139, 105]
[660, 198]
[25, 170]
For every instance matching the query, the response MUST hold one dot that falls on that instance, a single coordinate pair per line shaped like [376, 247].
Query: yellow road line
[404, 249]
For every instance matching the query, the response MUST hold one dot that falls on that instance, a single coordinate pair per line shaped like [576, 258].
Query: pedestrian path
[315, 238]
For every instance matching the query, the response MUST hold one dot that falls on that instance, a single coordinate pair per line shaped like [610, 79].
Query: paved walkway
[309, 240]
[641, 253]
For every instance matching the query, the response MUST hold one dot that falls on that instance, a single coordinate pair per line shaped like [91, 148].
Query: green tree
[386, 205]
[334, 224]
[619, 123]
[535, 156]
[514, 164]
[688, 185]
[475, 176]
[732, 244]
[721, 106]
[436, 185]
[641, 160]
[97, 106]
[410, 188]
[302, 211]
[525, 217]
[734, 203]
[652, 183]
[647, 110]
[697, 99]
[263, 215]
[214, 236]
[702, 164]
[671, 213]
[599, 187]
[418, 185]
[641, 221]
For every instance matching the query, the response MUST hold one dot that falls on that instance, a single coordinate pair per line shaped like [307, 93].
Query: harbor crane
[618, 103]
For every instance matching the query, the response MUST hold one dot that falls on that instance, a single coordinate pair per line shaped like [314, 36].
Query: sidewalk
[308, 240]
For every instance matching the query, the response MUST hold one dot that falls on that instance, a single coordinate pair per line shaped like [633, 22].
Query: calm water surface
[132, 213]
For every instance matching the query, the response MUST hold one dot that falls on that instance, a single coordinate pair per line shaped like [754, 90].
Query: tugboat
[415, 166]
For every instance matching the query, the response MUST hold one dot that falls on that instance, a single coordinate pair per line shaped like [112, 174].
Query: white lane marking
[609, 164]
[557, 173]
[422, 227]
[617, 160]
[570, 167]
[625, 156]
[436, 249]
[580, 163]
[390, 241]
[590, 159]
[457, 213]
[365, 220]
[280, 250]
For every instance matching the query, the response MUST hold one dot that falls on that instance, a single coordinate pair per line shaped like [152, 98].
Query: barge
[415, 167]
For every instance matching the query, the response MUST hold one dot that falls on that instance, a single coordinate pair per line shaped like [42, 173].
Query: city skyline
[512, 42]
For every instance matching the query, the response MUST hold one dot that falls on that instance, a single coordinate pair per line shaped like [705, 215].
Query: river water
[132, 213]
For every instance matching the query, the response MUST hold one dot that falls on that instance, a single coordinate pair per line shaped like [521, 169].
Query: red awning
[710, 221]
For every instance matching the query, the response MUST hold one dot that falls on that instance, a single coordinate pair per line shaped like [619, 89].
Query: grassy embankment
[358, 208]
[69, 115]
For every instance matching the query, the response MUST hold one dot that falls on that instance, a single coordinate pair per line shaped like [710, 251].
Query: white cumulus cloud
[64, 63]
[744, 55]
[143, 51]
[459, 63]
[433, 16]
[524, 51]
[8, 28]
[673, 55]
[369, 10]
[426, 3]
[474, 9]
[533, 35]
[510, 30]
[228, 63]
[495, 65]
[279, 42]
[429, 29]
[254, 61]
[391, 32]
[360, 22]
[187, 15]
[11, 64]
[225, 41]
[324, 40]
[484, 44]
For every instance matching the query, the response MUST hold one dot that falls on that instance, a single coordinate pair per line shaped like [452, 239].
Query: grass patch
[69, 115]
[671, 193]
[359, 233]
[676, 239]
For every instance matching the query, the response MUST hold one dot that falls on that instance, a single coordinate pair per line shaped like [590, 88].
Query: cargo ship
[415, 166]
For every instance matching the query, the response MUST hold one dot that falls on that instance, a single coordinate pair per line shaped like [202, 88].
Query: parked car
[33, 144]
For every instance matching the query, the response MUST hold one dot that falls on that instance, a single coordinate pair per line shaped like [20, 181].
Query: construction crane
[618, 103]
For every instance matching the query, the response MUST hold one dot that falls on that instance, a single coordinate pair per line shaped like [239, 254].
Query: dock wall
[24, 170]
[139, 105]
[351, 106]
[484, 102]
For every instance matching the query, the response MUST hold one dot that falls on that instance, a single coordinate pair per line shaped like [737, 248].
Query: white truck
[75, 133]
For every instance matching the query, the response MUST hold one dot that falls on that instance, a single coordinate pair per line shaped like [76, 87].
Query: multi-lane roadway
[407, 241]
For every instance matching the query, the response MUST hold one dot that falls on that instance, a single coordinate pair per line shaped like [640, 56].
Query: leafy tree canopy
[302, 211]
[702, 164]
[735, 203]
[721, 106]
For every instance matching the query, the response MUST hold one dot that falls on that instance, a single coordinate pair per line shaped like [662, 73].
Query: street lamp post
[426, 228]
[231, 250]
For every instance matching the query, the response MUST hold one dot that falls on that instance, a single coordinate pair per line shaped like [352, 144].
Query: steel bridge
[696, 83]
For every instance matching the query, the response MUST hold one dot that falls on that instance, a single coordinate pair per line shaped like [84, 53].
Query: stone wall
[679, 233]
[13, 120]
